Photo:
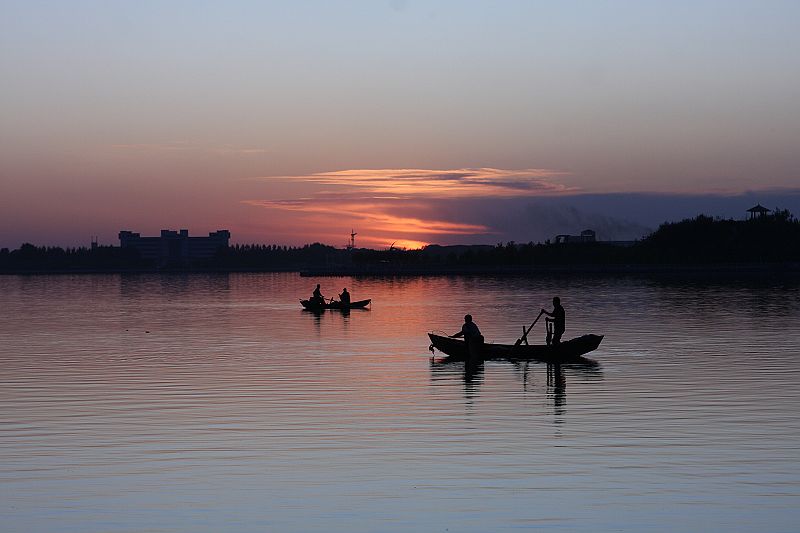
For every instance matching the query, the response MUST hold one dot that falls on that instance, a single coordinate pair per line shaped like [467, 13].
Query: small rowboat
[569, 351]
[314, 306]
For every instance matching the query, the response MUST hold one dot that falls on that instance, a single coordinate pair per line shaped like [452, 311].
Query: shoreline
[457, 270]
[531, 270]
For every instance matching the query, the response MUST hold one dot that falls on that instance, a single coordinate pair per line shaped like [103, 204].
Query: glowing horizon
[376, 199]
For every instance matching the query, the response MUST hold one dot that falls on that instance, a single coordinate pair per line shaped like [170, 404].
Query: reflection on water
[557, 387]
[471, 372]
[214, 403]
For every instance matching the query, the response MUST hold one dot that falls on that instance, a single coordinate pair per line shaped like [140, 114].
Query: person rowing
[469, 330]
[472, 336]
[556, 322]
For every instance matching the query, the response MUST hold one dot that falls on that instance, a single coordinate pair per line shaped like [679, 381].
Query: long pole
[525, 332]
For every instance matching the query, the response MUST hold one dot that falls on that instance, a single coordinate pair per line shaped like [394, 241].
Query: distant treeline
[30, 258]
[703, 239]
[266, 256]
[696, 241]
[52, 258]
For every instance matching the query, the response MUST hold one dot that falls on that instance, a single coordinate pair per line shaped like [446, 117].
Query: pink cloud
[465, 182]
[401, 204]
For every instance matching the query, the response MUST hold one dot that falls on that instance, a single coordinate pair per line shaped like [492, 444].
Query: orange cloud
[400, 205]
[372, 216]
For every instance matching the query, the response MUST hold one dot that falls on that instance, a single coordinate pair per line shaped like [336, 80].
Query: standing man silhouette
[557, 320]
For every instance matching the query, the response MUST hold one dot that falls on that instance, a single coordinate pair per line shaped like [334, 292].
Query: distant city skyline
[413, 122]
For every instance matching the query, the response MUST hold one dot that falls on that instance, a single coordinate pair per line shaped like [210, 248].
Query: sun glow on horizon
[402, 206]
[405, 244]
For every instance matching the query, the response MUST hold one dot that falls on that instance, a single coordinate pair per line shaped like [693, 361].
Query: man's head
[556, 300]
[467, 318]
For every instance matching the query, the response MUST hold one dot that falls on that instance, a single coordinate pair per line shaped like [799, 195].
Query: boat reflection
[471, 373]
[319, 312]
[556, 375]
[557, 387]
[342, 316]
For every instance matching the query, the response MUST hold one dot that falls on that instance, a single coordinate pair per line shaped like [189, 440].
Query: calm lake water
[191, 403]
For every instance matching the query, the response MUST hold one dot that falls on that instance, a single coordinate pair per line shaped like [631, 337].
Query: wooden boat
[565, 352]
[314, 306]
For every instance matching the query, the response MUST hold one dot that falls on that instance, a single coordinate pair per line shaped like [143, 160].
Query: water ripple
[212, 402]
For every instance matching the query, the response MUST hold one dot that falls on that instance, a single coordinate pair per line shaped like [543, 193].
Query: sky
[409, 122]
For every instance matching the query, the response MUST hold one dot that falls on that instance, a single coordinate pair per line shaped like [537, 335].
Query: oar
[525, 332]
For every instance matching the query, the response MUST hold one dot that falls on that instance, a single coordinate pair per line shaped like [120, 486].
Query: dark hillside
[706, 240]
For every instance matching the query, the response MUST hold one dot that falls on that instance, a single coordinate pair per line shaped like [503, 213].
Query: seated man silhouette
[472, 336]
[344, 297]
[316, 296]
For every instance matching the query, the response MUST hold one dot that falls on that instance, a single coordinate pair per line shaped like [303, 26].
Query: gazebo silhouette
[758, 211]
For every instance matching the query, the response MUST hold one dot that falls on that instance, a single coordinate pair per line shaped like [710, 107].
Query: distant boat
[315, 306]
[565, 352]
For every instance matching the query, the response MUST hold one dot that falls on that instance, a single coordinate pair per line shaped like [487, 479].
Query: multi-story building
[175, 247]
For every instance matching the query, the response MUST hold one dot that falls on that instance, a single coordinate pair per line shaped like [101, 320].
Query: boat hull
[572, 350]
[313, 306]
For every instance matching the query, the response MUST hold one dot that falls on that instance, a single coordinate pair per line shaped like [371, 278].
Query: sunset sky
[410, 122]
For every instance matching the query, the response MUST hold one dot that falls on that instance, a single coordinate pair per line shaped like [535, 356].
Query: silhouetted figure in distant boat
[472, 336]
[316, 296]
[344, 297]
[556, 322]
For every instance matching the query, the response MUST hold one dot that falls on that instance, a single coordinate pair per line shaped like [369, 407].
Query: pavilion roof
[758, 209]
